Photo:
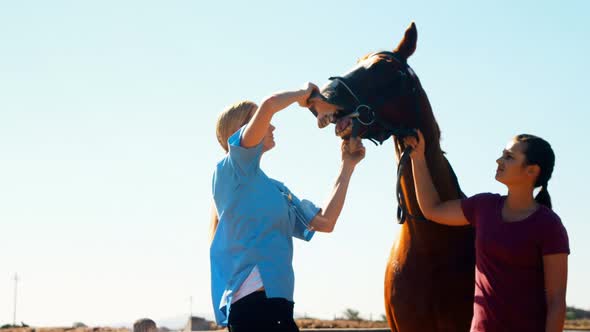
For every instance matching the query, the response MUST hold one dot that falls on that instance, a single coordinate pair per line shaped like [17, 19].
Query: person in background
[145, 325]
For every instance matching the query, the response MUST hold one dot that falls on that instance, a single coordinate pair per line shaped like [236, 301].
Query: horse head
[382, 97]
[375, 99]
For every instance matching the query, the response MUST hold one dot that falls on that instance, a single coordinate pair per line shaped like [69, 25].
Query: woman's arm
[258, 125]
[555, 271]
[447, 213]
[353, 152]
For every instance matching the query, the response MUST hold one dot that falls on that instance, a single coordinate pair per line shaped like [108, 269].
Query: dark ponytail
[543, 197]
[539, 152]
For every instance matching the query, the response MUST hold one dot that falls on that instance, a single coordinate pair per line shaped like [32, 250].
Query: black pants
[257, 313]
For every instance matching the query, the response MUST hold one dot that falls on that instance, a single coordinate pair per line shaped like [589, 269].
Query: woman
[252, 249]
[521, 245]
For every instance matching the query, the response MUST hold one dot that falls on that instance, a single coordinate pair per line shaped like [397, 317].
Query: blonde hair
[228, 122]
[231, 119]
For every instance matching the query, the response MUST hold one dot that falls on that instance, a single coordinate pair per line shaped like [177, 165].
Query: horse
[430, 273]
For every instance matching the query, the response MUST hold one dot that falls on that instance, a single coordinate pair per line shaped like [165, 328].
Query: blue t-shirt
[258, 218]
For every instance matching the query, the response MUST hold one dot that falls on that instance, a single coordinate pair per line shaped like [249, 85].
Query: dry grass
[302, 323]
[578, 324]
[338, 323]
[65, 329]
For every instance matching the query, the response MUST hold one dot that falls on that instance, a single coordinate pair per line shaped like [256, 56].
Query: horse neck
[440, 170]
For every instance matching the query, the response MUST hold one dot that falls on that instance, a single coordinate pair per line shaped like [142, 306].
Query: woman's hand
[418, 145]
[447, 213]
[306, 92]
[353, 151]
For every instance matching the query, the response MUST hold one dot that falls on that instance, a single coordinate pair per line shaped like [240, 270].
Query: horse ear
[408, 44]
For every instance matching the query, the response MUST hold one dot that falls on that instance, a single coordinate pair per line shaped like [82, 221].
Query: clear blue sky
[107, 138]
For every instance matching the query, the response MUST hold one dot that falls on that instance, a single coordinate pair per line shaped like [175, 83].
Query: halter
[365, 114]
[356, 115]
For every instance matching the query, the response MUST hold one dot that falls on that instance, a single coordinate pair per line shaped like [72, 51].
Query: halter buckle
[370, 114]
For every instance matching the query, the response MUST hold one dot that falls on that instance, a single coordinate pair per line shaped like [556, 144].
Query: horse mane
[440, 169]
[415, 300]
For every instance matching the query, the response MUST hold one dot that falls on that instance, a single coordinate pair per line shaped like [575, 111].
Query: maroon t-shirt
[509, 280]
